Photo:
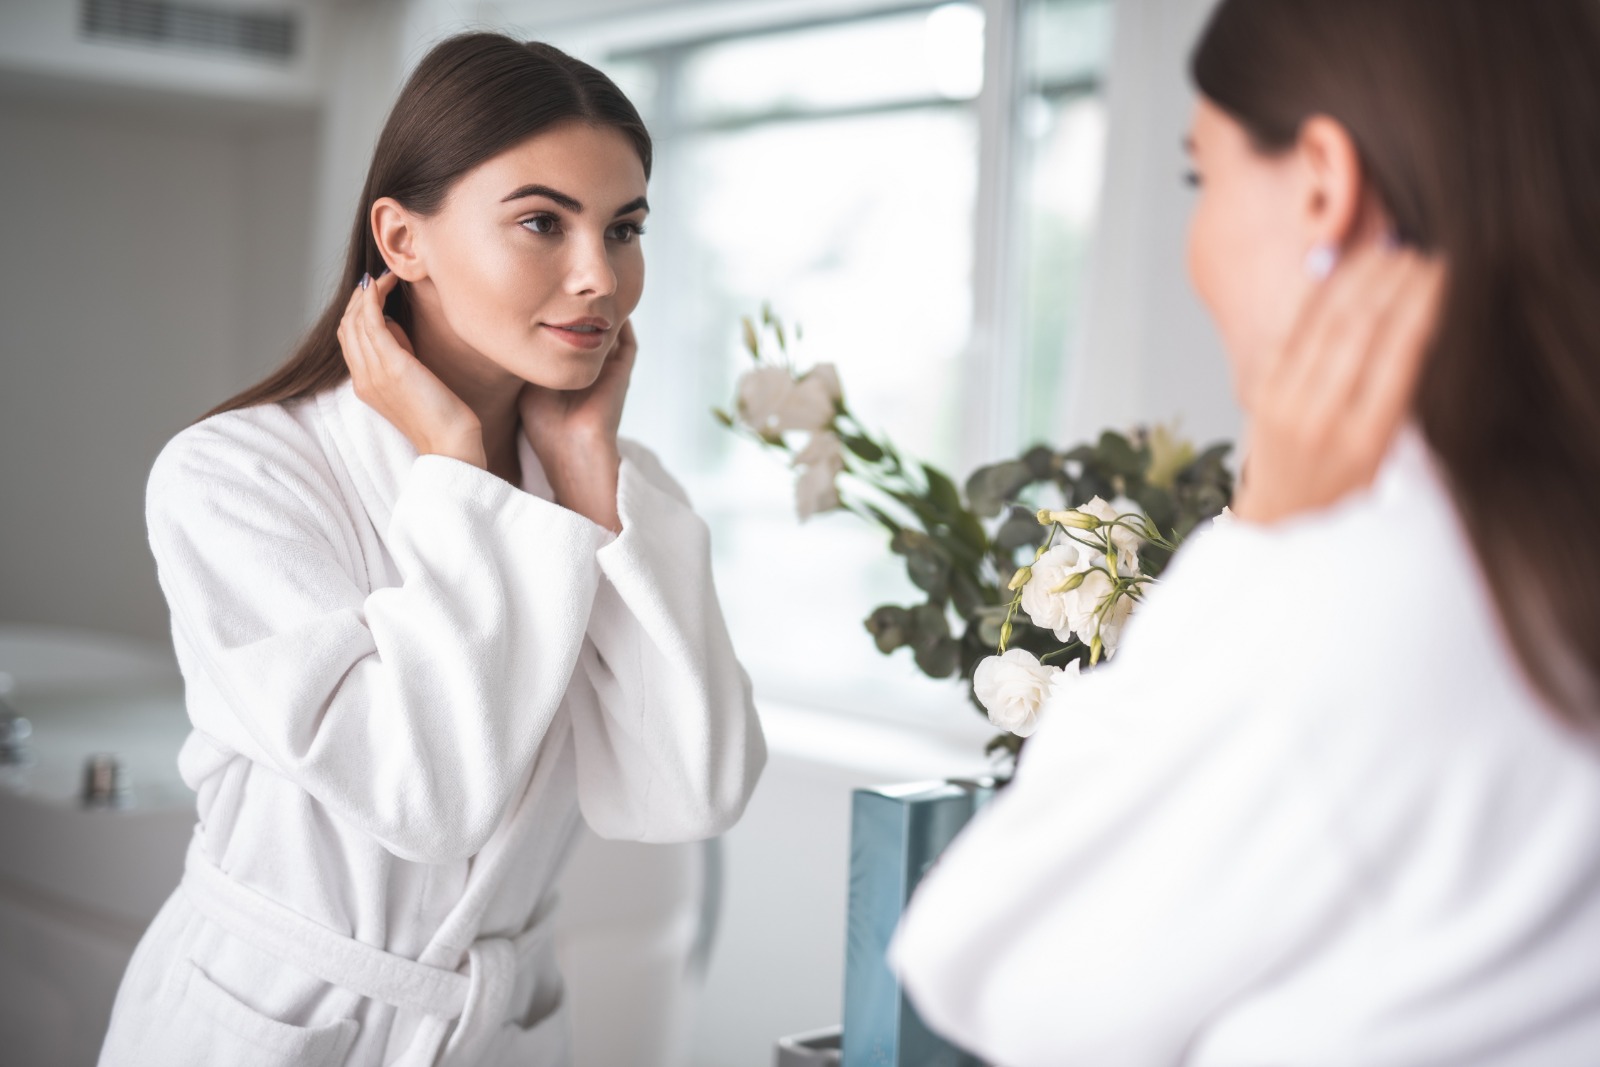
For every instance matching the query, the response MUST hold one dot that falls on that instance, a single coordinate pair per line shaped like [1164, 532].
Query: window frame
[993, 360]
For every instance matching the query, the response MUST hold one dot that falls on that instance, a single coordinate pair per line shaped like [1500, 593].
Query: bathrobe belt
[479, 1000]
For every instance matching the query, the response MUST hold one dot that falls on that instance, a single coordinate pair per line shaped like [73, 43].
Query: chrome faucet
[14, 729]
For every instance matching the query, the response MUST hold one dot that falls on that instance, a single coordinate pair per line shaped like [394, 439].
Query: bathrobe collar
[378, 456]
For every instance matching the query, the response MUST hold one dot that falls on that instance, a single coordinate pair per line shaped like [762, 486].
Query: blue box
[896, 832]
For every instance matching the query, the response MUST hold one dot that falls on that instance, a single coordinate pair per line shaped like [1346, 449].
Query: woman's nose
[589, 273]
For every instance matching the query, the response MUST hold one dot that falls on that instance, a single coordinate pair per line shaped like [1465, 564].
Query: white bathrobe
[407, 678]
[1312, 813]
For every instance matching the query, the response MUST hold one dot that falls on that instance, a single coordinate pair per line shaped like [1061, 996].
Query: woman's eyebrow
[571, 203]
[568, 202]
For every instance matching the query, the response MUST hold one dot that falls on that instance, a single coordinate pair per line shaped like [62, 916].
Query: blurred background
[975, 209]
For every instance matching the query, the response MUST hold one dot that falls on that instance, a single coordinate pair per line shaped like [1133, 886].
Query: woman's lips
[580, 335]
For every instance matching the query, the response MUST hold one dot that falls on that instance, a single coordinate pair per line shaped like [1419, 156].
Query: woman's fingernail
[366, 280]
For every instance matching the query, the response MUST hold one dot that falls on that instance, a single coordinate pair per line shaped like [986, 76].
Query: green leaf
[1158, 505]
[1117, 455]
[989, 488]
[722, 417]
[884, 520]
[988, 625]
[942, 491]
[1004, 743]
[890, 627]
[1083, 454]
[967, 593]
[929, 623]
[862, 446]
[971, 531]
[1042, 462]
[925, 565]
[940, 659]
[1020, 528]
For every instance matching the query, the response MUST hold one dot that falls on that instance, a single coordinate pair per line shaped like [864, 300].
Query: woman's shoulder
[1370, 624]
[1364, 574]
[272, 450]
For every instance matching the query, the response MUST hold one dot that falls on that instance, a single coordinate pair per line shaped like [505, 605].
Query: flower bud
[1005, 634]
[1111, 561]
[1078, 520]
[1095, 648]
[1072, 582]
[1045, 517]
[1020, 579]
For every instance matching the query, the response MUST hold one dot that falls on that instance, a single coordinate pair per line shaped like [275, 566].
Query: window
[916, 191]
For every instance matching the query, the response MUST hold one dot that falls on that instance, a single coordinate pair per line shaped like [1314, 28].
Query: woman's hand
[390, 379]
[574, 434]
[1324, 413]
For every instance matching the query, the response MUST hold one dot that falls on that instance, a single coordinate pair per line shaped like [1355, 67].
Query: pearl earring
[1321, 260]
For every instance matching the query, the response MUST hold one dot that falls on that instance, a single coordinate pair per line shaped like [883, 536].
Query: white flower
[1012, 688]
[772, 401]
[820, 463]
[1077, 611]
[761, 393]
[826, 376]
[1044, 605]
[1088, 617]
[1126, 541]
[1225, 517]
[810, 402]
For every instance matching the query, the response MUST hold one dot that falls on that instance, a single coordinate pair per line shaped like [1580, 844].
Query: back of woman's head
[1478, 126]
[472, 97]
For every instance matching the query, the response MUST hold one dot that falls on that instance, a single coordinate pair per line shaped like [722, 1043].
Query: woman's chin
[565, 375]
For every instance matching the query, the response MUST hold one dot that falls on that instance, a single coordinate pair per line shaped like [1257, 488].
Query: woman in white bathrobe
[1337, 798]
[430, 611]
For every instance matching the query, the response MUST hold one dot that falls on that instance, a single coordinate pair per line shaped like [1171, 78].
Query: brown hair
[1478, 124]
[471, 97]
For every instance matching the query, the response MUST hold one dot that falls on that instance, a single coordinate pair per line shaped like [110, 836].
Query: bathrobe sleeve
[669, 747]
[1163, 847]
[413, 712]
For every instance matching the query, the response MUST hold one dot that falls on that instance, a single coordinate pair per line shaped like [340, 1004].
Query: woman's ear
[1334, 181]
[396, 231]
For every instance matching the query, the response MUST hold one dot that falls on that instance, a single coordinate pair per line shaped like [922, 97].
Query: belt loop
[491, 978]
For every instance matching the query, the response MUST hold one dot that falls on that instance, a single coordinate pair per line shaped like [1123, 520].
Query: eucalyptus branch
[946, 533]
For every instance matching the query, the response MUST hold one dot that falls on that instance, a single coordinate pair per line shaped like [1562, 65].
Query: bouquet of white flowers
[1019, 595]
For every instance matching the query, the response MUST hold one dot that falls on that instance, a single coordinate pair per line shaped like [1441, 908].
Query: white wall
[1150, 351]
[149, 266]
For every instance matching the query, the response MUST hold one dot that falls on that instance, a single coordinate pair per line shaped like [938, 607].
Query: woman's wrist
[584, 479]
[468, 449]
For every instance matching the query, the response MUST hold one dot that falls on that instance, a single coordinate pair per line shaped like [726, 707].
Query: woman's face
[533, 262]
[1248, 239]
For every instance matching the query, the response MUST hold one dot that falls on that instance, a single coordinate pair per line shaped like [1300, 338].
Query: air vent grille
[261, 34]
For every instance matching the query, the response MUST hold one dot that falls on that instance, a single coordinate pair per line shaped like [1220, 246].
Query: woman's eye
[626, 231]
[541, 224]
[1191, 178]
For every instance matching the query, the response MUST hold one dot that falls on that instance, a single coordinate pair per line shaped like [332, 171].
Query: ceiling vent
[258, 34]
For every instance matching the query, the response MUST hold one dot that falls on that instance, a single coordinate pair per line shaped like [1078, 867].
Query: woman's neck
[489, 390]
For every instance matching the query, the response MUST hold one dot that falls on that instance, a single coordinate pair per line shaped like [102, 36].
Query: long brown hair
[1478, 123]
[473, 96]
